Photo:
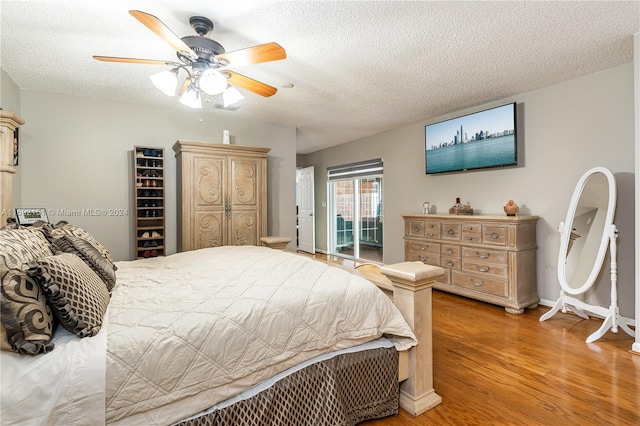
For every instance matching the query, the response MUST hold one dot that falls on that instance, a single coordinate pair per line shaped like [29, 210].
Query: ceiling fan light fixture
[230, 96]
[191, 98]
[212, 82]
[166, 81]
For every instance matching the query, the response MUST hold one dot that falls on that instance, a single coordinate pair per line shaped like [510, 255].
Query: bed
[224, 335]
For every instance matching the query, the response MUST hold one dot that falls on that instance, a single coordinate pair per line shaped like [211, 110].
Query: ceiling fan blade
[250, 84]
[184, 87]
[135, 60]
[254, 55]
[162, 31]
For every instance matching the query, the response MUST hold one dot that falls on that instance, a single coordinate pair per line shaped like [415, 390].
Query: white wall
[565, 130]
[76, 154]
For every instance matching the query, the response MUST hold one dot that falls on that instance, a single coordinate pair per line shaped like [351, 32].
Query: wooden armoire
[221, 194]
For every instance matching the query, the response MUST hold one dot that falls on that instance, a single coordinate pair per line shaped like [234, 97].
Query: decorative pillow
[91, 256]
[77, 295]
[63, 228]
[25, 315]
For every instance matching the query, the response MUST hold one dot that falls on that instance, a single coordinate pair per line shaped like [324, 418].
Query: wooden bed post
[412, 284]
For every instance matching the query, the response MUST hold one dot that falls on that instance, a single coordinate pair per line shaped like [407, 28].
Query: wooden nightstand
[279, 243]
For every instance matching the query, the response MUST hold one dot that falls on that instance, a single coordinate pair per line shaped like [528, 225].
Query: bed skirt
[344, 390]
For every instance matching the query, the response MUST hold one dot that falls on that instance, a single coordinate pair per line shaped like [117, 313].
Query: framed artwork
[16, 147]
[31, 216]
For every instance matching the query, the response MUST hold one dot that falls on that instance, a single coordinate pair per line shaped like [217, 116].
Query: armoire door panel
[208, 230]
[209, 174]
[244, 190]
[243, 229]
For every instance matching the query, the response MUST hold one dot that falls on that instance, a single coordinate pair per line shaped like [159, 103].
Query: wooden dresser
[488, 258]
[222, 194]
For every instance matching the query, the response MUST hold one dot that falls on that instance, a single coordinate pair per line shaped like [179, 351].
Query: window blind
[354, 170]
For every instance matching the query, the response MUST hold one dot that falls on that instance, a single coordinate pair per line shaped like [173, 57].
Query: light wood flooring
[494, 368]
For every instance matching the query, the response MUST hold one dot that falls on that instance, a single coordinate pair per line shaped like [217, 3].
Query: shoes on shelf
[146, 253]
[154, 253]
[145, 234]
[156, 234]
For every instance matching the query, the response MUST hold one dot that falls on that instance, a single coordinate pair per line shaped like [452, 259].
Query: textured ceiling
[358, 68]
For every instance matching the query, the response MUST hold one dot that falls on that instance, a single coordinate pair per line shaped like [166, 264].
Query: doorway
[356, 218]
[306, 210]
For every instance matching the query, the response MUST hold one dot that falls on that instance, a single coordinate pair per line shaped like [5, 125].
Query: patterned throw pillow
[63, 228]
[27, 320]
[77, 295]
[92, 257]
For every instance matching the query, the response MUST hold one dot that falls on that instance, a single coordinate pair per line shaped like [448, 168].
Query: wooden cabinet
[149, 205]
[9, 123]
[489, 258]
[222, 194]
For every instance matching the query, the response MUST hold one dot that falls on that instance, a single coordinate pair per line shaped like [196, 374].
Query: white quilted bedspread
[196, 328]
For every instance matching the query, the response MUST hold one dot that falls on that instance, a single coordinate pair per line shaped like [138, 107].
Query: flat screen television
[480, 140]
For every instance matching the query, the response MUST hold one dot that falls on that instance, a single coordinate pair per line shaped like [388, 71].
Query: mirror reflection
[587, 228]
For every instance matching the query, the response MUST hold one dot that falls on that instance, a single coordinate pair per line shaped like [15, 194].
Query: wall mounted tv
[480, 140]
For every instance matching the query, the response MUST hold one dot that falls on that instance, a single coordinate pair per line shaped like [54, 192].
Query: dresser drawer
[494, 286]
[482, 254]
[450, 231]
[414, 228]
[496, 235]
[471, 234]
[422, 247]
[432, 229]
[428, 258]
[451, 262]
[452, 250]
[485, 268]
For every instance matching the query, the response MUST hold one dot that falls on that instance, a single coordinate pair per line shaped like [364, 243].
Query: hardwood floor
[494, 368]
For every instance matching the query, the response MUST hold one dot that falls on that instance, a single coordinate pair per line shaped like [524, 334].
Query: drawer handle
[451, 232]
[494, 235]
[416, 229]
[423, 259]
[450, 264]
[431, 234]
[450, 250]
[477, 283]
[483, 256]
[480, 269]
[470, 228]
[470, 238]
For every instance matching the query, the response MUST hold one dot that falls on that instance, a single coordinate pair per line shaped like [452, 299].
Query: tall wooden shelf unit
[149, 218]
[222, 194]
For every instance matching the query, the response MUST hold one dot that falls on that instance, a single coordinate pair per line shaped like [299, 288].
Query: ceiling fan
[205, 62]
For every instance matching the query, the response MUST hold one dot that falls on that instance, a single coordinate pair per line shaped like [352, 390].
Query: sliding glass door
[357, 217]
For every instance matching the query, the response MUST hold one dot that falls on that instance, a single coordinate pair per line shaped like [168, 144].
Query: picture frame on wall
[16, 147]
[31, 215]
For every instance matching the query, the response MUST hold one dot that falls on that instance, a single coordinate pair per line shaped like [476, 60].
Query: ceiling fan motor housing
[204, 47]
